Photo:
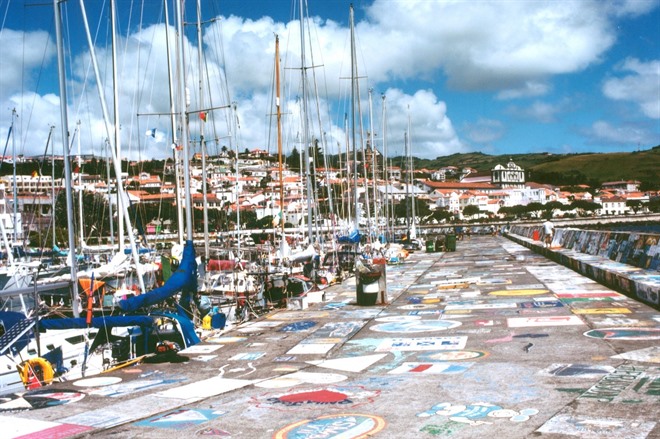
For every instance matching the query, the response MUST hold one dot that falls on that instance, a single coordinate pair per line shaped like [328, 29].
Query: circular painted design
[455, 355]
[517, 292]
[415, 326]
[625, 333]
[418, 306]
[97, 382]
[346, 426]
[399, 318]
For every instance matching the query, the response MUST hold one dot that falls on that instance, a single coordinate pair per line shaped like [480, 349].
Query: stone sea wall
[627, 262]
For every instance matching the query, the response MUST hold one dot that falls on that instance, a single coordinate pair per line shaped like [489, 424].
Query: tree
[421, 209]
[585, 207]
[635, 205]
[551, 207]
[654, 205]
[440, 215]
[293, 160]
[535, 209]
[471, 210]
[263, 183]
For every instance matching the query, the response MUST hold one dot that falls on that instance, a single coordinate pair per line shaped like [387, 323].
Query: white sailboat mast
[306, 146]
[184, 119]
[115, 108]
[386, 176]
[173, 117]
[373, 160]
[80, 191]
[413, 229]
[202, 123]
[279, 132]
[75, 299]
[115, 160]
[353, 98]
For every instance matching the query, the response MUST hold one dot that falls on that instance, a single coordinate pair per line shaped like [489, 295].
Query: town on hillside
[267, 194]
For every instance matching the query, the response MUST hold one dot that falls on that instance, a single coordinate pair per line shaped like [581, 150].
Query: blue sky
[500, 77]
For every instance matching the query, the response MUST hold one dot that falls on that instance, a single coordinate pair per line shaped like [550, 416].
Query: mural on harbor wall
[623, 261]
[638, 249]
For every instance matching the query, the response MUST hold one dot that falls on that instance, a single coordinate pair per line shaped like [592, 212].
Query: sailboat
[369, 267]
[82, 346]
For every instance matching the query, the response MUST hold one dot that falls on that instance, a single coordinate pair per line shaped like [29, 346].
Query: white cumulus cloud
[641, 86]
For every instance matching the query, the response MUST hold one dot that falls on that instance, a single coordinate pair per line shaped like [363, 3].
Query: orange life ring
[36, 372]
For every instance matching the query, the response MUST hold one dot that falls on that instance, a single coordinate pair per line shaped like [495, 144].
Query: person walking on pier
[548, 230]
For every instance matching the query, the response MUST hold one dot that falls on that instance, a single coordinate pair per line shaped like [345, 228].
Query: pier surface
[491, 340]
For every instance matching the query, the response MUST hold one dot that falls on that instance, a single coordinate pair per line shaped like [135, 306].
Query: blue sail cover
[187, 329]
[8, 319]
[97, 322]
[185, 278]
[352, 238]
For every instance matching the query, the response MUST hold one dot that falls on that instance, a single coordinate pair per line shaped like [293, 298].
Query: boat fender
[36, 372]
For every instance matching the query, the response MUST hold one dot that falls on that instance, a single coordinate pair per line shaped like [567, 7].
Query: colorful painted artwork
[530, 292]
[180, 418]
[330, 397]
[452, 355]
[131, 387]
[587, 427]
[97, 382]
[297, 378]
[15, 427]
[200, 349]
[612, 385]
[625, 333]
[348, 426]
[310, 348]
[476, 305]
[602, 311]
[349, 364]
[647, 355]
[302, 326]
[581, 370]
[478, 413]
[521, 322]
[422, 344]
[412, 327]
[38, 399]
[445, 368]
[247, 356]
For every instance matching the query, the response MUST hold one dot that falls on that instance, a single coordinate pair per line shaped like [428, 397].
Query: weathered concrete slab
[492, 340]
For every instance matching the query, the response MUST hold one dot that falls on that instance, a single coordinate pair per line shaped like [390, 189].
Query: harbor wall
[624, 261]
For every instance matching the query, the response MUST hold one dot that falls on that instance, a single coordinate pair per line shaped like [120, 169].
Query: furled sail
[185, 278]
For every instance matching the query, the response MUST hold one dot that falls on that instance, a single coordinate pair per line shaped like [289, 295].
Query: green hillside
[565, 169]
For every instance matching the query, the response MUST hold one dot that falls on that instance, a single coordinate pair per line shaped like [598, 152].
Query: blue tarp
[97, 322]
[185, 278]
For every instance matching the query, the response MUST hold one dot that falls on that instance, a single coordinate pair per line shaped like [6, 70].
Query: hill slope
[565, 169]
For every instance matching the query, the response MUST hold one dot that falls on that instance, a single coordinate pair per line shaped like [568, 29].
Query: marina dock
[491, 340]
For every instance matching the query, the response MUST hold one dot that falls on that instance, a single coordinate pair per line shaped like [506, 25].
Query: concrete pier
[492, 340]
